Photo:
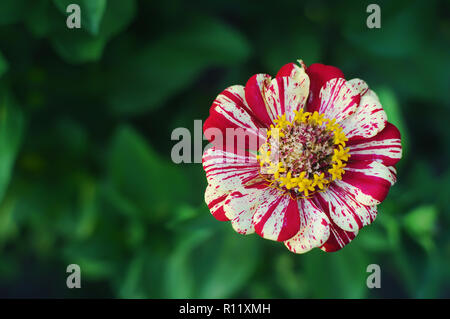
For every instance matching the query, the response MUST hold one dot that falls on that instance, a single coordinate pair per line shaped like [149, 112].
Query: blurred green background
[85, 123]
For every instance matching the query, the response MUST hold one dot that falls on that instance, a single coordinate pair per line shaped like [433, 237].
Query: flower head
[323, 159]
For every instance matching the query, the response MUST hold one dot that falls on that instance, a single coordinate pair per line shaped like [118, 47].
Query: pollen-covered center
[304, 155]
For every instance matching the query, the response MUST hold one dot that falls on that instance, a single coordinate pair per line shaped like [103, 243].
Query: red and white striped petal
[231, 115]
[277, 217]
[240, 206]
[255, 97]
[215, 199]
[314, 228]
[292, 69]
[359, 85]
[319, 74]
[393, 172]
[345, 211]
[338, 239]
[368, 182]
[288, 94]
[368, 120]
[338, 99]
[228, 170]
[384, 147]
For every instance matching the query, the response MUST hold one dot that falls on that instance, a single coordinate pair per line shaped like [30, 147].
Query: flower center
[303, 156]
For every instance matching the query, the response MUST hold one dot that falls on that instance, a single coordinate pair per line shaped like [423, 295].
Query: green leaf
[11, 132]
[289, 277]
[140, 175]
[39, 19]
[336, 275]
[180, 281]
[210, 260]
[421, 221]
[95, 260]
[226, 275]
[78, 47]
[394, 114]
[396, 21]
[305, 46]
[12, 11]
[102, 23]
[162, 69]
[117, 17]
[131, 284]
[3, 65]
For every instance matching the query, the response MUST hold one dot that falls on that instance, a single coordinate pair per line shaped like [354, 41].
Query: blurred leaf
[11, 132]
[78, 46]
[374, 239]
[11, 11]
[210, 261]
[3, 65]
[394, 114]
[223, 275]
[117, 17]
[8, 225]
[145, 81]
[184, 213]
[289, 276]
[421, 223]
[397, 20]
[95, 260]
[131, 284]
[341, 274]
[303, 46]
[180, 282]
[39, 19]
[140, 175]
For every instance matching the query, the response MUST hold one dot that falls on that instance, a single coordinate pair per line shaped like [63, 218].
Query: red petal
[384, 147]
[231, 119]
[277, 217]
[319, 74]
[254, 95]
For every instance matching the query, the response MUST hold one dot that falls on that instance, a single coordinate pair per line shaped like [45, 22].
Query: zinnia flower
[323, 159]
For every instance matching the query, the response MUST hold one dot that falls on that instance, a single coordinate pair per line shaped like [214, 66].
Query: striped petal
[228, 170]
[368, 182]
[319, 74]
[345, 211]
[338, 239]
[314, 228]
[240, 130]
[288, 94]
[338, 99]
[359, 85]
[393, 172]
[240, 206]
[277, 217]
[384, 147]
[255, 97]
[368, 120]
[215, 198]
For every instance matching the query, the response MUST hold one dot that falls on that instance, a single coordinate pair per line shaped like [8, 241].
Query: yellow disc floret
[305, 155]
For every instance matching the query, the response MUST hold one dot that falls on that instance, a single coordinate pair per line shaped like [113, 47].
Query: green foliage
[169, 64]
[421, 224]
[85, 122]
[11, 132]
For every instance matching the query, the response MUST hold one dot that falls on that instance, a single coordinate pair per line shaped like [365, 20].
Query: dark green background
[85, 123]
